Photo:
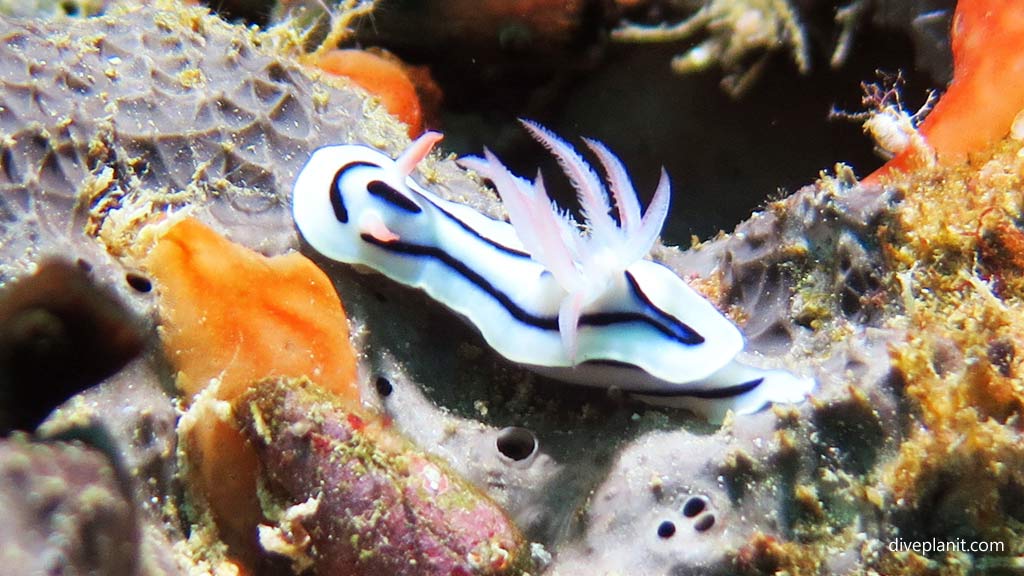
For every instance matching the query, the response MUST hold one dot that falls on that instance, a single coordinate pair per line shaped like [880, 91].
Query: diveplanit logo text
[926, 547]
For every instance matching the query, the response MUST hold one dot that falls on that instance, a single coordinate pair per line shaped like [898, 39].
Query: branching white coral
[741, 34]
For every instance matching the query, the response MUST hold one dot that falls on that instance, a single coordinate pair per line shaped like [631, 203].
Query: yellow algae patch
[955, 247]
[229, 317]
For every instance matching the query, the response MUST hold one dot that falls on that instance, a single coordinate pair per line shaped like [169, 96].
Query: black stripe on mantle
[679, 331]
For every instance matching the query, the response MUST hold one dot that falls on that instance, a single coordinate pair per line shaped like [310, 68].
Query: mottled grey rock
[510, 463]
[108, 119]
[65, 512]
[139, 416]
[105, 122]
[661, 510]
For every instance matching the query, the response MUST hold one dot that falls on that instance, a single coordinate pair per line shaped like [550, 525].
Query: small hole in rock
[1000, 354]
[693, 506]
[84, 264]
[384, 387]
[138, 283]
[666, 529]
[145, 433]
[516, 443]
[704, 523]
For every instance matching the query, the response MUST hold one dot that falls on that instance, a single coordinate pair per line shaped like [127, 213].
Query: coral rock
[673, 511]
[49, 348]
[64, 511]
[231, 316]
[381, 506]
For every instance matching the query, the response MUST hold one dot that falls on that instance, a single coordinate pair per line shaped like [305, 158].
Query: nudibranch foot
[576, 300]
[739, 388]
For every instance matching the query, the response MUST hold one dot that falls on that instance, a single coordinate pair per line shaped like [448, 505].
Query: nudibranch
[576, 303]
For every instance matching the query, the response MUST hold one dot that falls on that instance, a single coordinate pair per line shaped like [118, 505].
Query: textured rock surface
[674, 512]
[108, 121]
[65, 511]
[140, 419]
[49, 323]
[128, 118]
[511, 463]
[376, 507]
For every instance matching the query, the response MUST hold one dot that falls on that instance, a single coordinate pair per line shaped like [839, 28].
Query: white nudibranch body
[581, 306]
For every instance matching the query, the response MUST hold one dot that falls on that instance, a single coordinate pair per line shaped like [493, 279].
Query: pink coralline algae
[380, 505]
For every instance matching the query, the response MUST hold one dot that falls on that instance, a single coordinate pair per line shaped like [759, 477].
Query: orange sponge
[234, 314]
[987, 91]
[384, 77]
[231, 314]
